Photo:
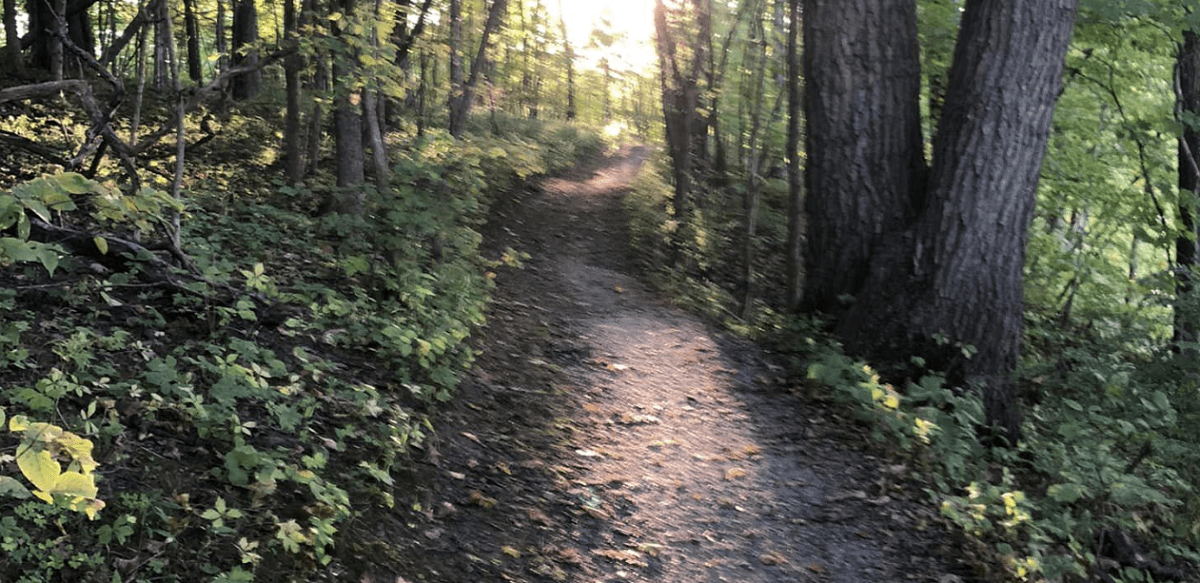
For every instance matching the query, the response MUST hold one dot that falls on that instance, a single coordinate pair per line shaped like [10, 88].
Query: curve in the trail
[702, 469]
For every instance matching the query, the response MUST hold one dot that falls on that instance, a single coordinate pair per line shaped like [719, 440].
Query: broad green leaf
[48, 255]
[101, 244]
[74, 183]
[12, 488]
[16, 250]
[38, 209]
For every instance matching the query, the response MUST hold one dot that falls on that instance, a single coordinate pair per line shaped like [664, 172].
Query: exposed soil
[608, 436]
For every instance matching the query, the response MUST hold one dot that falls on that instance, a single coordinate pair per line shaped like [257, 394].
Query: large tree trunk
[12, 40]
[349, 197]
[192, 28]
[1187, 101]
[245, 34]
[948, 285]
[865, 164]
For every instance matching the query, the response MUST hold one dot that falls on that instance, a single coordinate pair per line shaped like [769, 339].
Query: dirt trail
[607, 436]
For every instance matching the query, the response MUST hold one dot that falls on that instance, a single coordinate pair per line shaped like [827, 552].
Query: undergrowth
[239, 427]
[1101, 488]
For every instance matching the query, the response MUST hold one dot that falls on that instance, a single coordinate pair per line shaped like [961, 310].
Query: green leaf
[12, 488]
[101, 244]
[1065, 493]
[16, 250]
[73, 183]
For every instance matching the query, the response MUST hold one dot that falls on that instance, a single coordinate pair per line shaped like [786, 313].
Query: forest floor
[606, 435]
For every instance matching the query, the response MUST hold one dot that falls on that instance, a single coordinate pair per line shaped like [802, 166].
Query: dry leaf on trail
[617, 367]
[537, 515]
[815, 568]
[629, 557]
[773, 558]
[472, 437]
[592, 408]
[510, 551]
[477, 498]
[734, 473]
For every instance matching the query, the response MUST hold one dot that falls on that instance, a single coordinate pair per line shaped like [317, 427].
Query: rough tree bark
[865, 162]
[939, 268]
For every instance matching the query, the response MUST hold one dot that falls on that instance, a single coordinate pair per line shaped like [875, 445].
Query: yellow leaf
[101, 244]
[734, 473]
[510, 551]
[40, 468]
[75, 484]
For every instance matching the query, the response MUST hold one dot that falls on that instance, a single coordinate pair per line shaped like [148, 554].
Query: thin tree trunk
[162, 38]
[56, 45]
[221, 41]
[795, 240]
[569, 56]
[1187, 105]
[139, 96]
[461, 105]
[180, 136]
[292, 138]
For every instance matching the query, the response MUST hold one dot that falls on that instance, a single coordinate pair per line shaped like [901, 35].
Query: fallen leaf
[536, 515]
[629, 557]
[773, 558]
[617, 367]
[510, 551]
[457, 475]
[587, 453]
[618, 289]
[734, 473]
[592, 408]
[472, 437]
[815, 568]
[477, 498]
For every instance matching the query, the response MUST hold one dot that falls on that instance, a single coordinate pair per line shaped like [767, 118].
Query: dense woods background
[241, 250]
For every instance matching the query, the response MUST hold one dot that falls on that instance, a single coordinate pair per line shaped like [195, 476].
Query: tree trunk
[292, 137]
[245, 34]
[162, 40]
[1187, 105]
[946, 284]
[349, 198]
[682, 117]
[56, 45]
[460, 102]
[865, 157]
[795, 240]
[569, 56]
[192, 28]
[220, 42]
[12, 40]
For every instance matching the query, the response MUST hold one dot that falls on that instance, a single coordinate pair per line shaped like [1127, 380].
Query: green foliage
[245, 432]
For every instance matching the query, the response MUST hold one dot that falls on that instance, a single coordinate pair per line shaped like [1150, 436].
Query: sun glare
[633, 20]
